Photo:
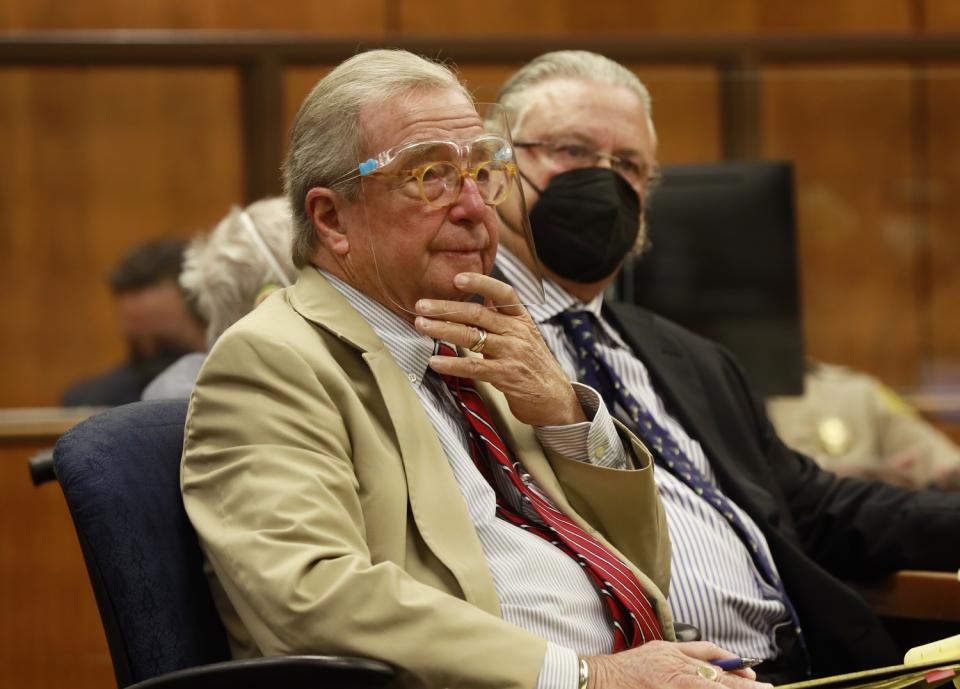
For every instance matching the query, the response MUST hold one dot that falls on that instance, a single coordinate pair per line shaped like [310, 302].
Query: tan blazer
[330, 518]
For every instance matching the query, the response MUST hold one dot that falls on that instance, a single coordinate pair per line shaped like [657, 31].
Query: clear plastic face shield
[427, 207]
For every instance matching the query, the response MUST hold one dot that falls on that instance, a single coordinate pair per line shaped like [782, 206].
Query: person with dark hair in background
[762, 537]
[156, 321]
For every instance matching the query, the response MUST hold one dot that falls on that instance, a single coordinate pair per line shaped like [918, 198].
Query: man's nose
[469, 206]
[604, 161]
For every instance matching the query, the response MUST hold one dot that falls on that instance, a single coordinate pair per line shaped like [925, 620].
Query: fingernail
[461, 280]
[424, 305]
[419, 322]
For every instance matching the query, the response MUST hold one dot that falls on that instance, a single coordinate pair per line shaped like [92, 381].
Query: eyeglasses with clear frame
[573, 155]
[434, 170]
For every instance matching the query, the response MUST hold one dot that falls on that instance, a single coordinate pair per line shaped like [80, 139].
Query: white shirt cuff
[595, 441]
[560, 669]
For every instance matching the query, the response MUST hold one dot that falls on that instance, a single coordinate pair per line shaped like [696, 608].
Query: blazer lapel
[436, 503]
[674, 377]
[676, 381]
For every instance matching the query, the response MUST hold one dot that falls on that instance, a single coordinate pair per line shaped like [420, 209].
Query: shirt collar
[556, 299]
[409, 348]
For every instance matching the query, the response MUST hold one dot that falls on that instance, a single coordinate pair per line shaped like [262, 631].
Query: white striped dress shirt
[714, 583]
[539, 588]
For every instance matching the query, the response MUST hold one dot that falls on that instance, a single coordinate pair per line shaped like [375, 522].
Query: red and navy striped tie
[634, 621]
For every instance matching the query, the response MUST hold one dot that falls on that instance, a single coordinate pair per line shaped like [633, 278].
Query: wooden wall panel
[848, 131]
[327, 18]
[50, 632]
[943, 196]
[297, 82]
[653, 17]
[941, 16]
[96, 161]
[686, 112]
[834, 17]
[496, 18]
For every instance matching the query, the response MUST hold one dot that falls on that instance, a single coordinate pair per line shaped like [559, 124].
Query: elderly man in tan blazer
[359, 490]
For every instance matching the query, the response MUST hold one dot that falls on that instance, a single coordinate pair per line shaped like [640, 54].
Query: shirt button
[412, 377]
[598, 452]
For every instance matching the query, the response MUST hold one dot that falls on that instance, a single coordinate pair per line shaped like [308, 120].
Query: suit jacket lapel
[677, 382]
[673, 375]
[435, 500]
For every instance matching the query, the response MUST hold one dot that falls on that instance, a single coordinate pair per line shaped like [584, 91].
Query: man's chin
[455, 262]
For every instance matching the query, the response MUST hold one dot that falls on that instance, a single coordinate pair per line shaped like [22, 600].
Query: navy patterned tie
[581, 330]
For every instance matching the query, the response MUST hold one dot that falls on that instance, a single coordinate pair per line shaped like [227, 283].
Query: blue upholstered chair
[119, 472]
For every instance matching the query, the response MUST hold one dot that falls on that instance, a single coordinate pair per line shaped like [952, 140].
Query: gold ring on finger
[481, 342]
[709, 672]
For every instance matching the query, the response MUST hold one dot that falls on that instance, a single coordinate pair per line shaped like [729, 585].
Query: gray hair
[327, 134]
[515, 94]
[225, 269]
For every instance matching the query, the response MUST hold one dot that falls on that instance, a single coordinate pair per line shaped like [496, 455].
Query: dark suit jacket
[820, 528]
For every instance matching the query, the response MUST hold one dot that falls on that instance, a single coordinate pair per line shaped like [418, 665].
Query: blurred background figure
[225, 274]
[157, 322]
[854, 425]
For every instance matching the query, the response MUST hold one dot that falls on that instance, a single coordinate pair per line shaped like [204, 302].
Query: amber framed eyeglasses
[435, 170]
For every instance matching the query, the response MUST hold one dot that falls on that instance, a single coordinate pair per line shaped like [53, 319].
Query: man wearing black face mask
[760, 534]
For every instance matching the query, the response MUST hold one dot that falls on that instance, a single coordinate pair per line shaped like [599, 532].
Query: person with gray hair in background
[225, 274]
[762, 537]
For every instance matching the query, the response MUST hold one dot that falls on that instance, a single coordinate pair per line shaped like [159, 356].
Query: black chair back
[120, 471]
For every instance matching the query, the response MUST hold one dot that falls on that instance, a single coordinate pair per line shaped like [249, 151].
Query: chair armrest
[915, 595]
[280, 672]
[41, 467]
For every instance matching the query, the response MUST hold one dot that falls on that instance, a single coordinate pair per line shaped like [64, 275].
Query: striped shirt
[539, 588]
[714, 583]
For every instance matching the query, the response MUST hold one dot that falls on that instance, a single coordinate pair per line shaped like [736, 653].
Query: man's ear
[323, 207]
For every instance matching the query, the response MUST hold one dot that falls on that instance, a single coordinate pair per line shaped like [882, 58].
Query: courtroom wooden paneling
[97, 160]
[941, 16]
[492, 18]
[847, 129]
[738, 17]
[50, 632]
[835, 17]
[327, 18]
[297, 82]
[654, 17]
[686, 112]
[941, 191]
